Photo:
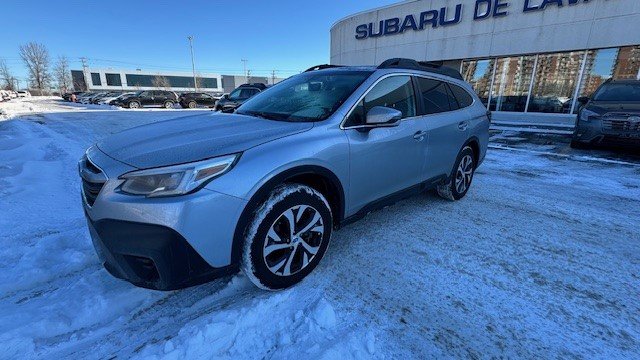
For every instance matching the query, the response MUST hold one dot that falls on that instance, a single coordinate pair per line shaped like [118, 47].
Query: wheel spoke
[287, 266]
[275, 247]
[274, 269]
[301, 210]
[292, 224]
[272, 234]
[311, 249]
[316, 218]
[305, 259]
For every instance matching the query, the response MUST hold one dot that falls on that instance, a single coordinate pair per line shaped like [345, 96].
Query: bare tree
[6, 77]
[161, 82]
[62, 74]
[36, 59]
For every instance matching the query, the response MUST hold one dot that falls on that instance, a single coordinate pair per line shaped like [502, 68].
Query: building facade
[523, 57]
[95, 79]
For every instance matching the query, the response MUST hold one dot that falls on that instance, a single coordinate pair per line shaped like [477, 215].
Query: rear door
[446, 123]
[159, 97]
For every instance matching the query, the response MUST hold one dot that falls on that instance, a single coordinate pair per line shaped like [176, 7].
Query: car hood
[194, 138]
[603, 107]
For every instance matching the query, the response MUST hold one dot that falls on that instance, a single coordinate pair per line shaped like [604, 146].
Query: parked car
[179, 202]
[229, 103]
[82, 98]
[116, 100]
[193, 100]
[610, 116]
[146, 98]
[107, 95]
[23, 93]
[13, 94]
[105, 100]
[5, 95]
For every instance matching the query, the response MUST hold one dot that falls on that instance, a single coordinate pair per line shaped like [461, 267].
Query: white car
[108, 99]
[24, 93]
[4, 95]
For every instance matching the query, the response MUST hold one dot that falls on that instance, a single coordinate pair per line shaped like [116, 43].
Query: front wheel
[287, 238]
[168, 104]
[192, 105]
[134, 105]
[460, 180]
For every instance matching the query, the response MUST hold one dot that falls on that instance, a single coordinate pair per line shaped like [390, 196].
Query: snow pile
[285, 324]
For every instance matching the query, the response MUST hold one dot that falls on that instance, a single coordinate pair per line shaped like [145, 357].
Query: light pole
[244, 66]
[193, 63]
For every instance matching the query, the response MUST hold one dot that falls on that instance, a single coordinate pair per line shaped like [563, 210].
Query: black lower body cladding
[150, 256]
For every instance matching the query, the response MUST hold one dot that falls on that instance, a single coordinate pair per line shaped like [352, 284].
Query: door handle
[420, 135]
[463, 125]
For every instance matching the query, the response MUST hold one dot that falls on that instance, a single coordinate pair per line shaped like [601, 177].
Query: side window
[463, 97]
[453, 102]
[435, 96]
[395, 92]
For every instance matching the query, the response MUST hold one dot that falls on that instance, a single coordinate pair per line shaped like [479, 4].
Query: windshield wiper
[264, 115]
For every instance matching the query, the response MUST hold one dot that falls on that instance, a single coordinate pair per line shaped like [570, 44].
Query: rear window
[618, 92]
[463, 97]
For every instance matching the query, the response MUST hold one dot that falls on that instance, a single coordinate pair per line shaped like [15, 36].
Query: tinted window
[113, 79]
[395, 92]
[618, 92]
[463, 97]
[95, 79]
[435, 96]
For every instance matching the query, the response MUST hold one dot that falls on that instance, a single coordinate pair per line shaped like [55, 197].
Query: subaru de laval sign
[446, 16]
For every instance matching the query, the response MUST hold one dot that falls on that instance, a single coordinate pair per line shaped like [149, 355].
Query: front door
[385, 160]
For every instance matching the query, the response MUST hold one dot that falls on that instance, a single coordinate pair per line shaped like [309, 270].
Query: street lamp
[193, 63]
[244, 67]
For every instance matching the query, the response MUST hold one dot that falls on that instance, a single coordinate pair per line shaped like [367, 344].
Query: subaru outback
[179, 202]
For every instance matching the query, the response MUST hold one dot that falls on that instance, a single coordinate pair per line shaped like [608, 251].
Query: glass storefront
[548, 83]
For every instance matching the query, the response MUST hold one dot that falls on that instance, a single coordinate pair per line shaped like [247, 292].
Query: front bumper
[160, 243]
[607, 131]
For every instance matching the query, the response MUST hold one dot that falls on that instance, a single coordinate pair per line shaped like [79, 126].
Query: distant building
[528, 58]
[94, 79]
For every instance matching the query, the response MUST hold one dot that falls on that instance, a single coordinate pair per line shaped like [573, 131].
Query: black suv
[143, 98]
[229, 103]
[194, 99]
[611, 115]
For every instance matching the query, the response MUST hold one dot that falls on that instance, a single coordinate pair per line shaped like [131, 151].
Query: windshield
[311, 96]
[618, 92]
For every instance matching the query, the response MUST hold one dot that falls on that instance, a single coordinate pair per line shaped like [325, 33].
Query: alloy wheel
[293, 240]
[464, 173]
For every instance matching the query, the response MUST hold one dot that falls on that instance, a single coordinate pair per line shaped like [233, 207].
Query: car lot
[540, 260]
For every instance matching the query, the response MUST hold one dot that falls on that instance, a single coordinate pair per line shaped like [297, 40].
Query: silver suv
[179, 202]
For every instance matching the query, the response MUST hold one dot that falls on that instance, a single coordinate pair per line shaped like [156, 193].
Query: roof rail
[436, 67]
[322, 66]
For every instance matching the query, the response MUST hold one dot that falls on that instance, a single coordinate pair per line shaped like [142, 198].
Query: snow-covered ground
[540, 260]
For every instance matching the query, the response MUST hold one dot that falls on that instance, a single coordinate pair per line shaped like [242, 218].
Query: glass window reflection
[511, 84]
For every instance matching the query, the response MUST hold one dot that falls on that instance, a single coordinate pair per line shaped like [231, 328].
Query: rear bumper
[150, 256]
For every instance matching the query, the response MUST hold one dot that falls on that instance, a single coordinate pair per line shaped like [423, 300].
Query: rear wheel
[460, 180]
[287, 238]
[192, 104]
[168, 104]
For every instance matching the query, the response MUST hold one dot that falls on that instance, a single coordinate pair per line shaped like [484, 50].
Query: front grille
[91, 191]
[620, 125]
[93, 179]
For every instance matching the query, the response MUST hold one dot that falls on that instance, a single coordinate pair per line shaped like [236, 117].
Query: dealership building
[110, 79]
[528, 59]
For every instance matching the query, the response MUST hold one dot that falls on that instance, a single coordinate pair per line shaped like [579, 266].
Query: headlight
[585, 115]
[177, 179]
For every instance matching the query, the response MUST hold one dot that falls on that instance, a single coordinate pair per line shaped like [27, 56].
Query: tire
[291, 257]
[577, 145]
[134, 105]
[168, 104]
[192, 104]
[461, 177]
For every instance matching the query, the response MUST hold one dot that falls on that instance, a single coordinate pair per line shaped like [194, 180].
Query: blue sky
[284, 35]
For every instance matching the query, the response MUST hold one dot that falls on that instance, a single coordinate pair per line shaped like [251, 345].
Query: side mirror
[381, 115]
[583, 100]
[225, 96]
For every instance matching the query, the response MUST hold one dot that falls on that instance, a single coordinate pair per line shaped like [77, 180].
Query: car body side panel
[324, 146]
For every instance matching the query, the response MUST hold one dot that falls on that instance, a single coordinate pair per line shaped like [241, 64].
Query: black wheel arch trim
[264, 191]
